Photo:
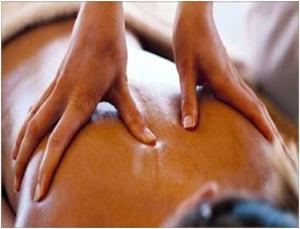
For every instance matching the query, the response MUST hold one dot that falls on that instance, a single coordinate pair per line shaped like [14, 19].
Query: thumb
[132, 117]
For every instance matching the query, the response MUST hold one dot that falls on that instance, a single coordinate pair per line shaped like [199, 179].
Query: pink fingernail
[188, 122]
[37, 194]
[149, 136]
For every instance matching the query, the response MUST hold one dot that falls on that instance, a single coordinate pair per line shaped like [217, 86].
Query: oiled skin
[108, 178]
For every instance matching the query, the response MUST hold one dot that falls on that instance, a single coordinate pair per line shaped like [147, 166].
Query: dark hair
[238, 212]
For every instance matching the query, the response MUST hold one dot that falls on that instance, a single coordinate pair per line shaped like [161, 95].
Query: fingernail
[15, 183]
[149, 136]
[37, 194]
[188, 122]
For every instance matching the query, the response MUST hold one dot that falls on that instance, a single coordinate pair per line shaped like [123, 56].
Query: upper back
[107, 177]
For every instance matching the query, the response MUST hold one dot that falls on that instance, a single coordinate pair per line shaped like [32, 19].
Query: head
[209, 208]
[233, 211]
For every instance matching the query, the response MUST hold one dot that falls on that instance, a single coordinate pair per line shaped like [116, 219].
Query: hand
[93, 69]
[201, 59]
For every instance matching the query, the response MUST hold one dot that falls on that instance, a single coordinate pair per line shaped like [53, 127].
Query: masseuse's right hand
[93, 69]
[201, 59]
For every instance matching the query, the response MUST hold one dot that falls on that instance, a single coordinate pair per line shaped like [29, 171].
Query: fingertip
[271, 132]
[188, 122]
[37, 194]
[148, 136]
[40, 187]
[264, 124]
[270, 136]
[15, 150]
[189, 112]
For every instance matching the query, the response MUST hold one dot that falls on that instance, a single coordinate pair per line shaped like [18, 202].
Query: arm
[94, 69]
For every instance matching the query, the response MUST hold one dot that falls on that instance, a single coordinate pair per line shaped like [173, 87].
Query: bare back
[106, 177]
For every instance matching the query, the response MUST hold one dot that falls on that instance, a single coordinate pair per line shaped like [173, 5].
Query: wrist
[195, 17]
[107, 12]
[99, 25]
[198, 9]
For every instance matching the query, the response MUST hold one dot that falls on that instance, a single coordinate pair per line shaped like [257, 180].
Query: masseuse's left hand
[201, 59]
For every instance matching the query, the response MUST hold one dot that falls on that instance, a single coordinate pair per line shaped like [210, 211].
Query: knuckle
[55, 141]
[82, 107]
[32, 127]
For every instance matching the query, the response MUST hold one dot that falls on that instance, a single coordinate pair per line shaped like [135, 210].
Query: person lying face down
[94, 69]
[235, 209]
[107, 177]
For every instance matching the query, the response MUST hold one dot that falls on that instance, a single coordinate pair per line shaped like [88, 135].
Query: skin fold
[106, 176]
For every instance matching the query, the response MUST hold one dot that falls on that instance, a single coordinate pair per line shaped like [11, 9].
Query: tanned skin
[94, 70]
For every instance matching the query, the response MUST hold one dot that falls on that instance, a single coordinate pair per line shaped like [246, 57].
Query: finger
[33, 109]
[132, 117]
[189, 104]
[270, 129]
[20, 137]
[275, 136]
[245, 101]
[43, 98]
[32, 112]
[73, 118]
[36, 129]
